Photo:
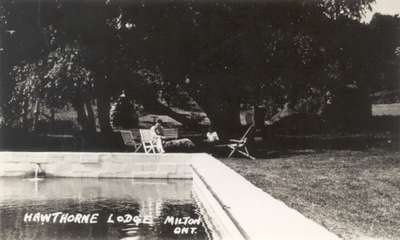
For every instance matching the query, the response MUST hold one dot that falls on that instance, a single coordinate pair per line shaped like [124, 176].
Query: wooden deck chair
[239, 145]
[131, 138]
[147, 141]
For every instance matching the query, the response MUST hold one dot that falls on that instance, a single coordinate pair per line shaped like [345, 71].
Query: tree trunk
[224, 116]
[103, 113]
[80, 110]
[36, 114]
[151, 104]
[24, 116]
[259, 116]
[227, 123]
[52, 118]
[91, 118]
[158, 108]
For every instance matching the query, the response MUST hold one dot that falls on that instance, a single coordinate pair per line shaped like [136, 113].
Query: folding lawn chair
[147, 141]
[239, 145]
[131, 138]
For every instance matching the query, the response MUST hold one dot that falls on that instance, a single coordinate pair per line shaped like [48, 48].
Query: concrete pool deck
[238, 208]
[256, 214]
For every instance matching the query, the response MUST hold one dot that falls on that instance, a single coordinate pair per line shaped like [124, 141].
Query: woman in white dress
[157, 132]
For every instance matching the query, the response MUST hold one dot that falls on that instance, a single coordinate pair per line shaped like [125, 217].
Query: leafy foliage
[58, 81]
[349, 8]
[221, 54]
[123, 114]
[67, 80]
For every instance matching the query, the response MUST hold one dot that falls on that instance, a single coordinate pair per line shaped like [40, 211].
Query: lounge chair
[147, 141]
[131, 138]
[239, 145]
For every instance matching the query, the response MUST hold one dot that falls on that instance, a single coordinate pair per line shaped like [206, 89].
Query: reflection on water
[126, 208]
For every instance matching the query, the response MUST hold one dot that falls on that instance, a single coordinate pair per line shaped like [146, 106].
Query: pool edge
[255, 214]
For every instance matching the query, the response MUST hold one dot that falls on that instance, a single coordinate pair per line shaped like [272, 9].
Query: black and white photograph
[200, 119]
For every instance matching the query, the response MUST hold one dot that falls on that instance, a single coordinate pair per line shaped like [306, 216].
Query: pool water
[64, 208]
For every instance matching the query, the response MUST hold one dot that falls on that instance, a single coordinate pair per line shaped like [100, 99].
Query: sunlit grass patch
[355, 194]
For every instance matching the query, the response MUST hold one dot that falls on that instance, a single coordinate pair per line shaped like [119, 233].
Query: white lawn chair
[147, 141]
[239, 145]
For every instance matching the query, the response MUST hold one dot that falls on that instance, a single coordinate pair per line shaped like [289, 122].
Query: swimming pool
[88, 208]
[228, 206]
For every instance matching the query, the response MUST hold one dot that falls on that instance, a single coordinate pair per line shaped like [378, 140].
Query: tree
[56, 82]
[385, 51]
[69, 82]
[124, 114]
[21, 39]
[222, 53]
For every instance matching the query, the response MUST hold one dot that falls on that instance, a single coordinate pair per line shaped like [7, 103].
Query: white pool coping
[214, 215]
[238, 208]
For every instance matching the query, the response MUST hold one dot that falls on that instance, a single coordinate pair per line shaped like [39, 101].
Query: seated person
[158, 135]
[212, 136]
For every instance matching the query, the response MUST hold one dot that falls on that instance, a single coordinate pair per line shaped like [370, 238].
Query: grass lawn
[355, 194]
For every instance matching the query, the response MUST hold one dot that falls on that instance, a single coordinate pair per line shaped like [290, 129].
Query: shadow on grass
[286, 145]
[272, 147]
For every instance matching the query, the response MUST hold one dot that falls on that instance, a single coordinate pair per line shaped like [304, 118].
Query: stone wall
[98, 165]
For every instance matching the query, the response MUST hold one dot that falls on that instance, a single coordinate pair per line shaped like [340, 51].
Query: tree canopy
[223, 54]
